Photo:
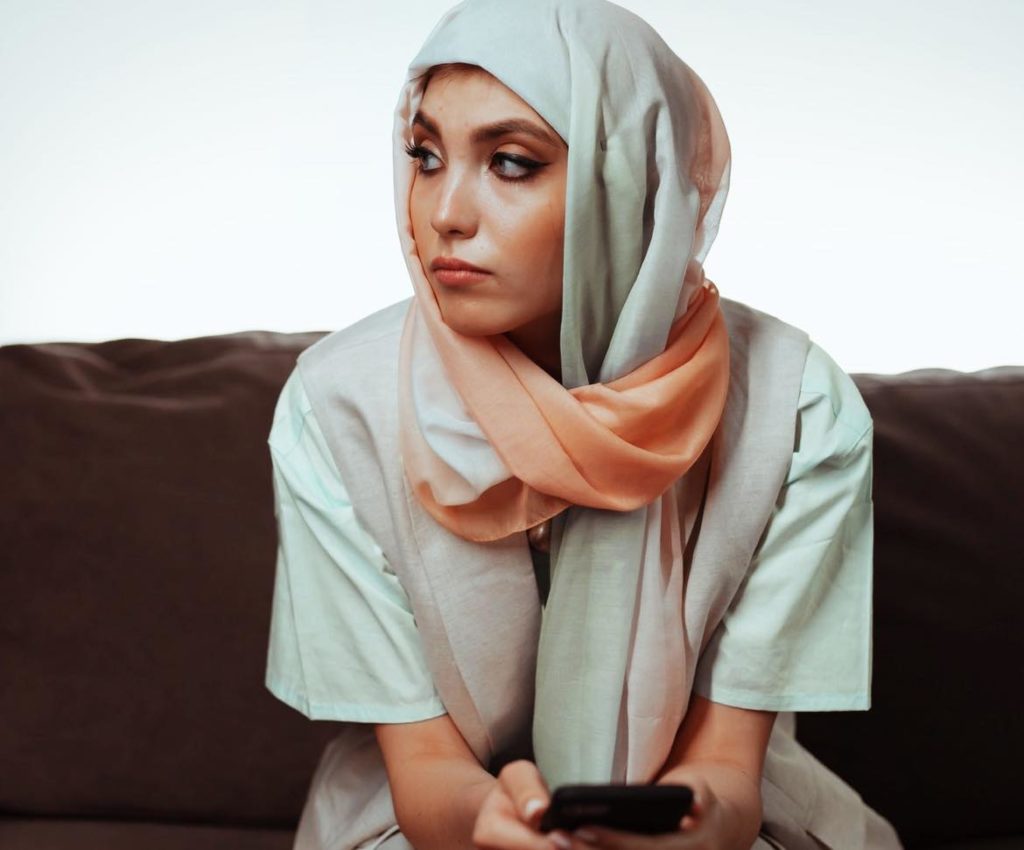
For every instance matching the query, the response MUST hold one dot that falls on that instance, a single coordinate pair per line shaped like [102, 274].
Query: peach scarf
[616, 446]
[492, 445]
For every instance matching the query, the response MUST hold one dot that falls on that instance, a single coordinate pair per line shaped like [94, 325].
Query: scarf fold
[514, 447]
[492, 445]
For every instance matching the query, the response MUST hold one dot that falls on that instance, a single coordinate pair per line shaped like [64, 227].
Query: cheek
[551, 234]
[419, 214]
[541, 235]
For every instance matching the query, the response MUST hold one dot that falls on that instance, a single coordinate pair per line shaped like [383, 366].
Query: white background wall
[174, 168]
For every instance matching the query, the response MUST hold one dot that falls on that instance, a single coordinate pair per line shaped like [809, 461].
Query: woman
[568, 515]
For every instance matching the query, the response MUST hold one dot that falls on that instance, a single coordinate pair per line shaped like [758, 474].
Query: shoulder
[290, 414]
[827, 389]
[834, 425]
[748, 324]
[381, 328]
[298, 447]
[307, 479]
[829, 401]
[766, 355]
[351, 375]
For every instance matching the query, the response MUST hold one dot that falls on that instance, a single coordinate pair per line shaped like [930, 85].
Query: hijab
[492, 444]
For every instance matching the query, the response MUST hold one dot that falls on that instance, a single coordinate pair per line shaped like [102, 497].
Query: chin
[474, 320]
[475, 328]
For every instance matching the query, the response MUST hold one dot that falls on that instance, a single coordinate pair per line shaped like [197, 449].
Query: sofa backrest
[939, 751]
[138, 545]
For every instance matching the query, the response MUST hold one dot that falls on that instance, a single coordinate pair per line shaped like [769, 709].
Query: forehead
[469, 98]
[471, 89]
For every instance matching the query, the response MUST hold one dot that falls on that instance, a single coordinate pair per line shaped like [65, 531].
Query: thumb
[522, 782]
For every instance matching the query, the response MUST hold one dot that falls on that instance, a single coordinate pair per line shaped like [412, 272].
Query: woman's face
[493, 197]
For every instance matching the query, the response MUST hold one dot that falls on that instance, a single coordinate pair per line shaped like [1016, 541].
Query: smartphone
[645, 809]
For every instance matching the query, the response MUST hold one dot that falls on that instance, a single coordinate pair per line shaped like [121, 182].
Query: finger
[698, 804]
[522, 782]
[703, 802]
[506, 831]
[693, 818]
[613, 839]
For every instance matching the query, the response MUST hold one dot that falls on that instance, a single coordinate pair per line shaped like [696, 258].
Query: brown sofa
[138, 540]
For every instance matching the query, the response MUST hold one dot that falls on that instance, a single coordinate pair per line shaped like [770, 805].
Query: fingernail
[533, 805]
[585, 835]
[560, 840]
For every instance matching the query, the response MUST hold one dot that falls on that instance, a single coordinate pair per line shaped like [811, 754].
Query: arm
[444, 799]
[436, 782]
[723, 748]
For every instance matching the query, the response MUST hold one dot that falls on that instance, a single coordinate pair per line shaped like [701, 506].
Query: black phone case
[644, 809]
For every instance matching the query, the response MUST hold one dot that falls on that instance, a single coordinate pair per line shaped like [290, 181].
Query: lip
[455, 264]
[455, 272]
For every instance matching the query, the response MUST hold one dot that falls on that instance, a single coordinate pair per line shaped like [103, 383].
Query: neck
[540, 340]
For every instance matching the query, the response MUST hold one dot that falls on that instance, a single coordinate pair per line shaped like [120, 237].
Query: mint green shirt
[797, 636]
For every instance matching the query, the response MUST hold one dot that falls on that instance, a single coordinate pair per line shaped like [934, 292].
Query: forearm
[738, 794]
[437, 800]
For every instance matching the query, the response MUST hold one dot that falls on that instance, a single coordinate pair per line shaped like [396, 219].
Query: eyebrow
[489, 132]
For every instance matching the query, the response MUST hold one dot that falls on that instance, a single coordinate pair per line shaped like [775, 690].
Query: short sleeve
[343, 641]
[797, 635]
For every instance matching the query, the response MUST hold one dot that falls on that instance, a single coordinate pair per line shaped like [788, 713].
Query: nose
[455, 211]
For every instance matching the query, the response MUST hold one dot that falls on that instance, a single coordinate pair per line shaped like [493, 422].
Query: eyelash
[418, 152]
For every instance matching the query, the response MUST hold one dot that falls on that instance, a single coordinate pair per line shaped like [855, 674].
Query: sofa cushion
[72, 834]
[138, 539]
[939, 751]
[1015, 843]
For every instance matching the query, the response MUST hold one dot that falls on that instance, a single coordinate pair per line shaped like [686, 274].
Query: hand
[509, 817]
[702, 829]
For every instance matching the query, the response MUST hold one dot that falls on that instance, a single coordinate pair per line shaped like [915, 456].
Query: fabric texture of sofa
[137, 551]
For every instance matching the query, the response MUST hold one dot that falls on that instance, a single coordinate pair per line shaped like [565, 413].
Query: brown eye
[420, 153]
[524, 168]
